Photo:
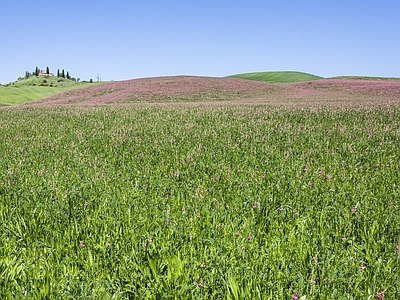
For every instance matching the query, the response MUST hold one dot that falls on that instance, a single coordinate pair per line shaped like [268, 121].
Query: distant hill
[365, 78]
[277, 77]
[36, 87]
[207, 90]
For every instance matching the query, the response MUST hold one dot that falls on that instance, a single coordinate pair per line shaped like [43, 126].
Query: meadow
[36, 87]
[200, 202]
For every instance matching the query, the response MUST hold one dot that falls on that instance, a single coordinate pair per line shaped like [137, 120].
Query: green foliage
[277, 77]
[247, 202]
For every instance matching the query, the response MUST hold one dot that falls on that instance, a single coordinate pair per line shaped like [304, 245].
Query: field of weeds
[200, 202]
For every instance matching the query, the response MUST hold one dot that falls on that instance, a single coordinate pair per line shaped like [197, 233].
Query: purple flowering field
[191, 89]
[203, 188]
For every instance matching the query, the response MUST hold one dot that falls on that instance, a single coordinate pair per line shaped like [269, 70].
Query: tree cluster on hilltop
[39, 72]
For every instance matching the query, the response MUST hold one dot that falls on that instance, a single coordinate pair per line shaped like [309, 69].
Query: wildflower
[354, 210]
[294, 296]
[147, 243]
[362, 267]
[200, 283]
[203, 266]
[380, 295]
[249, 237]
[183, 209]
[237, 233]
[313, 259]
[398, 245]
[82, 244]
[167, 221]
[281, 208]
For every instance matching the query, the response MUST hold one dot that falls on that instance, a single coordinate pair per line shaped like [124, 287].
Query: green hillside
[365, 77]
[36, 87]
[277, 77]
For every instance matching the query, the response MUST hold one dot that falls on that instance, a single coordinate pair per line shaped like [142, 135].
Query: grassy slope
[365, 78]
[277, 77]
[29, 89]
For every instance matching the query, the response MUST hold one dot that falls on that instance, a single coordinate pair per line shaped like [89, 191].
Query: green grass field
[201, 202]
[33, 88]
[277, 77]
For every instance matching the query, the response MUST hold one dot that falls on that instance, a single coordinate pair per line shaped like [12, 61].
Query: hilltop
[277, 77]
[36, 87]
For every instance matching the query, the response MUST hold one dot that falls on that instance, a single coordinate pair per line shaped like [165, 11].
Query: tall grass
[199, 203]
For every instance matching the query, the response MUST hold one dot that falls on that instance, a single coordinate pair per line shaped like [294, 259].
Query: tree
[68, 77]
[47, 71]
[37, 71]
[58, 72]
[62, 73]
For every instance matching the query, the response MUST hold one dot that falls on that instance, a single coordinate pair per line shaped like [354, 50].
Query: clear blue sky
[131, 39]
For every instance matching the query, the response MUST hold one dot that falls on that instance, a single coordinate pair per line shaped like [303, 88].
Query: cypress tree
[58, 72]
[68, 77]
[47, 71]
[62, 73]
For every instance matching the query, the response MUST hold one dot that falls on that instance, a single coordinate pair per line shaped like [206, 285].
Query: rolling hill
[216, 90]
[277, 77]
[32, 88]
